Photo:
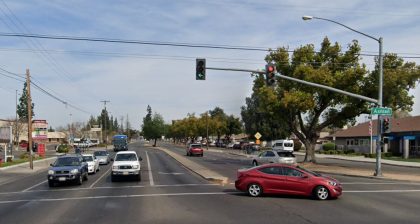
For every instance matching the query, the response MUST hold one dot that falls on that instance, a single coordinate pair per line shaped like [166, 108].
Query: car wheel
[254, 163]
[254, 190]
[85, 177]
[80, 180]
[51, 184]
[138, 178]
[321, 193]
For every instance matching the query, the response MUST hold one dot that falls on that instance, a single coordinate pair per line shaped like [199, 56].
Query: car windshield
[100, 153]
[126, 157]
[285, 154]
[67, 161]
[309, 171]
[288, 144]
[88, 158]
[196, 146]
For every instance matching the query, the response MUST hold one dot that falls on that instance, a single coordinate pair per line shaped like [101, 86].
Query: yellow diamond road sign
[257, 135]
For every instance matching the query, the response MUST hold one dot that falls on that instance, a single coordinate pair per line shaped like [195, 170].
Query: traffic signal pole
[300, 81]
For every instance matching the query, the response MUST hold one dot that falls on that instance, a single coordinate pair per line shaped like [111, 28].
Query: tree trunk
[154, 145]
[310, 151]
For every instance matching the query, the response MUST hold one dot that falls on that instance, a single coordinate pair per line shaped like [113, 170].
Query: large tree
[22, 108]
[307, 110]
[153, 126]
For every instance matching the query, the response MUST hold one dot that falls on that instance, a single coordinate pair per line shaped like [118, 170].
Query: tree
[22, 108]
[307, 110]
[153, 127]
[233, 126]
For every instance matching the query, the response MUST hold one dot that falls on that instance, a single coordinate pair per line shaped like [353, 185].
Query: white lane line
[152, 183]
[111, 187]
[100, 177]
[113, 196]
[382, 191]
[380, 183]
[36, 185]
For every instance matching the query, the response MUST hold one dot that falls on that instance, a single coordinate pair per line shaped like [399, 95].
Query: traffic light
[270, 71]
[386, 125]
[200, 70]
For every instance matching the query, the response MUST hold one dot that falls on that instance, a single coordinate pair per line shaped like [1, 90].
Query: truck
[120, 143]
[284, 145]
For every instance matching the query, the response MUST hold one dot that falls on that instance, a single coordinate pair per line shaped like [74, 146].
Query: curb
[205, 173]
[367, 177]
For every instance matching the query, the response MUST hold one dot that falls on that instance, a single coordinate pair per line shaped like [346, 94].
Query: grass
[18, 161]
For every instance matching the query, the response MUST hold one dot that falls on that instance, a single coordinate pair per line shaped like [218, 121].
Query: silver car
[271, 156]
[102, 156]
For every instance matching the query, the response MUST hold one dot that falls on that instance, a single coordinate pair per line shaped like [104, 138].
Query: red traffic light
[270, 68]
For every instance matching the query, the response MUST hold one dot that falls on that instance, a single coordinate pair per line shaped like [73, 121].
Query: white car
[126, 164]
[92, 161]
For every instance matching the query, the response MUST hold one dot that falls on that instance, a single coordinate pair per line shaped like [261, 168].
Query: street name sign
[382, 111]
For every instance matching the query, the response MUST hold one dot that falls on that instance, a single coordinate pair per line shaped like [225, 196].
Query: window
[270, 154]
[356, 142]
[285, 154]
[279, 144]
[272, 170]
[292, 172]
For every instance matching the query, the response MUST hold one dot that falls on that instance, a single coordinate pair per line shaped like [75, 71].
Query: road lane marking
[100, 177]
[114, 196]
[163, 173]
[152, 183]
[378, 183]
[36, 185]
[111, 187]
[381, 191]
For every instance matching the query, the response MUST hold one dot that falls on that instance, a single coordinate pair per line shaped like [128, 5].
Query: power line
[172, 44]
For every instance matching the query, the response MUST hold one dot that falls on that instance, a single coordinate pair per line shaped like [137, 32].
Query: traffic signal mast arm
[301, 81]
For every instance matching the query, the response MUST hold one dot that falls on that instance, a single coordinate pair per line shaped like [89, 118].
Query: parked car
[126, 164]
[237, 145]
[212, 143]
[283, 145]
[92, 161]
[230, 145]
[272, 156]
[195, 150]
[102, 156]
[68, 168]
[286, 179]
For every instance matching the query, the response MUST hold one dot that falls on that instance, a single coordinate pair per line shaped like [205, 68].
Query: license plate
[62, 179]
[125, 173]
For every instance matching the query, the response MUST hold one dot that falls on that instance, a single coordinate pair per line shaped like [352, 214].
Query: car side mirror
[305, 176]
[140, 159]
[51, 164]
[112, 159]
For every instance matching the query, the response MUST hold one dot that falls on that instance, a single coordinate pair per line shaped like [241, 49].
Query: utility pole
[16, 127]
[121, 124]
[28, 89]
[106, 121]
[71, 129]
[207, 130]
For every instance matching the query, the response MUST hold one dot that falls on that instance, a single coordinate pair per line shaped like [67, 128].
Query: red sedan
[286, 179]
[195, 149]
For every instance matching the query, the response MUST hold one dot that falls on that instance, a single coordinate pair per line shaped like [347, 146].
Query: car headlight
[51, 172]
[114, 167]
[332, 183]
[74, 171]
[136, 166]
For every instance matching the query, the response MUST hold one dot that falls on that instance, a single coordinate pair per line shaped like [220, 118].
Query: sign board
[257, 142]
[39, 130]
[96, 129]
[257, 135]
[5, 134]
[382, 111]
[410, 137]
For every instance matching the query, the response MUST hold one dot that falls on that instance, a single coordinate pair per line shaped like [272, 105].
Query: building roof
[406, 124]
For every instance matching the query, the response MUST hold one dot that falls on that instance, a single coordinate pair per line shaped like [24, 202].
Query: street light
[378, 171]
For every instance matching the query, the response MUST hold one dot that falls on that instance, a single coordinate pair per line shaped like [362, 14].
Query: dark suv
[68, 168]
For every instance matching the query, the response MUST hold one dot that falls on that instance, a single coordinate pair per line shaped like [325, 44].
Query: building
[403, 139]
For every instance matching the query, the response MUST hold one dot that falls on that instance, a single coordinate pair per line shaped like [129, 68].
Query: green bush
[101, 145]
[387, 154]
[24, 155]
[349, 151]
[63, 148]
[328, 146]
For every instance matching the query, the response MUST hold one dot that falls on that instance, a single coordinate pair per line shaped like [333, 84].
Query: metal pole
[207, 130]
[378, 171]
[16, 126]
[28, 90]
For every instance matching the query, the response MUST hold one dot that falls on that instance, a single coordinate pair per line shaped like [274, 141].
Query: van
[283, 145]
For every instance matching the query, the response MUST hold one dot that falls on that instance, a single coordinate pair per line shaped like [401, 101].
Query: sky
[132, 76]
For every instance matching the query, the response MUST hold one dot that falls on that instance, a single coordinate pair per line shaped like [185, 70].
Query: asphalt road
[170, 193]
